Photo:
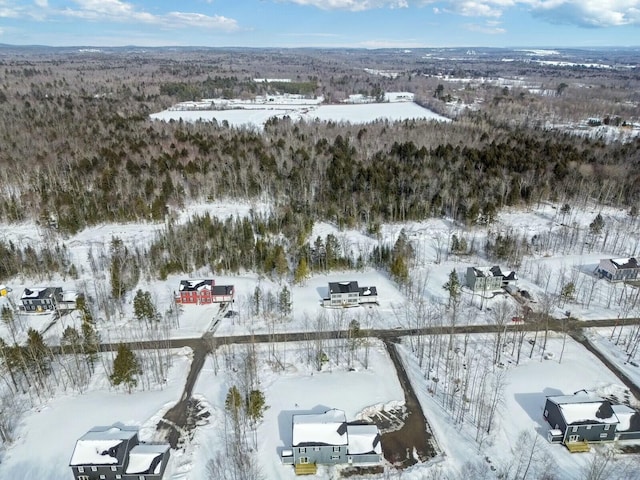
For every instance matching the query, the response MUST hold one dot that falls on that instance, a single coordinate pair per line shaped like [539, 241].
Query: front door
[304, 459]
[574, 438]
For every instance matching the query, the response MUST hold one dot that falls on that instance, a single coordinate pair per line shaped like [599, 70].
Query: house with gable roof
[580, 418]
[327, 439]
[115, 453]
[40, 299]
[619, 269]
[482, 279]
[349, 294]
[202, 292]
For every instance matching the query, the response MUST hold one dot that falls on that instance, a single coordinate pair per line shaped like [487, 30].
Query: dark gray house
[114, 453]
[619, 269]
[349, 294]
[580, 418]
[482, 279]
[41, 299]
[328, 439]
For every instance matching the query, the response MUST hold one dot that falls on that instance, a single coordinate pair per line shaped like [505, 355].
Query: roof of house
[196, 285]
[582, 408]
[482, 271]
[368, 291]
[624, 262]
[222, 290]
[39, 292]
[505, 274]
[103, 445]
[329, 428]
[146, 458]
[343, 287]
[629, 418]
[363, 439]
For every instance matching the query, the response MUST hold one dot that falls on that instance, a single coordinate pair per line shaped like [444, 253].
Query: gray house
[619, 269]
[482, 279]
[580, 418]
[114, 453]
[328, 439]
[349, 294]
[40, 299]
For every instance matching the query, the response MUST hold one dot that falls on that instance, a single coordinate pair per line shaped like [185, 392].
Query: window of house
[114, 468]
[304, 459]
[606, 427]
[102, 477]
[574, 429]
[603, 435]
[118, 477]
[302, 450]
[94, 469]
[83, 477]
[546, 413]
[335, 457]
[588, 427]
[316, 449]
[80, 469]
[336, 449]
[141, 477]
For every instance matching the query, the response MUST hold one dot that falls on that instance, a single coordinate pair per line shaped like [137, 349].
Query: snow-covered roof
[625, 262]
[69, 296]
[102, 446]
[624, 414]
[145, 458]
[368, 291]
[329, 428]
[33, 292]
[583, 408]
[343, 287]
[363, 439]
[196, 285]
[482, 271]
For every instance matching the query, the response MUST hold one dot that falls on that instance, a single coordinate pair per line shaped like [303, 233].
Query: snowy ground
[520, 411]
[256, 115]
[46, 436]
[299, 388]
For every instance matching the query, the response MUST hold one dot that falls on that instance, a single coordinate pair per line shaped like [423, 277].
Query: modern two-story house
[580, 418]
[327, 439]
[619, 269]
[115, 453]
[482, 279]
[41, 299]
[202, 292]
[349, 294]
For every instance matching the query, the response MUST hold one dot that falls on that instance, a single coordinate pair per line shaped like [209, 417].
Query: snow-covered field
[520, 426]
[256, 114]
[552, 261]
[298, 388]
[47, 434]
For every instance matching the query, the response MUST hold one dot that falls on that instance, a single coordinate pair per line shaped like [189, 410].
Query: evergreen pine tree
[302, 271]
[125, 368]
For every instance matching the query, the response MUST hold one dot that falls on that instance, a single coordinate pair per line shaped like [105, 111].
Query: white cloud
[41, 3]
[590, 13]
[119, 11]
[352, 5]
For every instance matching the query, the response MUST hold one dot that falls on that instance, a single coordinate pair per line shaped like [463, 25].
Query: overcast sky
[321, 23]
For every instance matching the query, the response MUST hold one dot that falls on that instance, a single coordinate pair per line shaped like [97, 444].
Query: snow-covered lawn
[298, 388]
[46, 435]
[520, 412]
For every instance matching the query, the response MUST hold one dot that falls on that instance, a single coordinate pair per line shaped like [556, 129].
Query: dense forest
[78, 148]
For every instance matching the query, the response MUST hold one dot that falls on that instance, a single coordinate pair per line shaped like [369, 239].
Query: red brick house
[199, 292]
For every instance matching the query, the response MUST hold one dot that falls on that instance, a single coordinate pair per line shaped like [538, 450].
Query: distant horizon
[362, 24]
[321, 47]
